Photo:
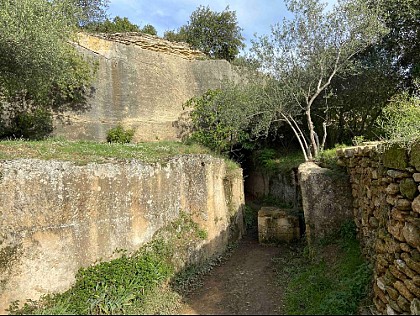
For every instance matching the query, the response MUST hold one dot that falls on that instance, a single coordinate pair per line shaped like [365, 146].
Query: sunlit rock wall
[56, 216]
[141, 82]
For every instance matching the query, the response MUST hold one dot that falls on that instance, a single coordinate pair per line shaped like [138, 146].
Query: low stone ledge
[276, 225]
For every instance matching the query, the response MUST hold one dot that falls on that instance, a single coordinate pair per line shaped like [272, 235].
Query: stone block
[276, 225]
[380, 306]
[397, 274]
[415, 307]
[403, 303]
[415, 155]
[408, 188]
[390, 311]
[416, 205]
[393, 304]
[326, 199]
[398, 174]
[393, 293]
[395, 157]
[411, 233]
[416, 280]
[399, 215]
[403, 204]
[416, 177]
[402, 266]
[395, 229]
[392, 188]
[405, 247]
[414, 289]
[404, 291]
[412, 264]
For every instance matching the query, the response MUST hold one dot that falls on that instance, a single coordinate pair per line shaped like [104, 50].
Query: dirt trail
[245, 284]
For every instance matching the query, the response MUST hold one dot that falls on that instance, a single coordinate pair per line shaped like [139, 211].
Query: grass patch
[330, 279]
[272, 161]
[135, 283]
[83, 152]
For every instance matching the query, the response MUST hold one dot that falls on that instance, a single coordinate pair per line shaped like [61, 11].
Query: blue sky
[254, 16]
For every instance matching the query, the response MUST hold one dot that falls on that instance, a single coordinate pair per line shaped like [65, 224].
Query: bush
[400, 119]
[119, 135]
[34, 125]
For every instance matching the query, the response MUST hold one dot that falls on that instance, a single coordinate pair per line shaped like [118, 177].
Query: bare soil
[246, 283]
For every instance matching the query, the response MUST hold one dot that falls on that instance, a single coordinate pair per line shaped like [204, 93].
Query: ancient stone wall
[142, 82]
[56, 216]
[280, 185]
[385, 186]
[326, 200]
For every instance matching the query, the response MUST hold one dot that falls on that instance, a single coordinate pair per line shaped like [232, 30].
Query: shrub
[34, 126]
[119, 135]
[400, 120]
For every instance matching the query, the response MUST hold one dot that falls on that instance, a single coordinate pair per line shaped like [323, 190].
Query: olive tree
[39, 68]
[301, 56]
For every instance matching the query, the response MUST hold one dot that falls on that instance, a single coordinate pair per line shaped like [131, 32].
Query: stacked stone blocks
[385, 182]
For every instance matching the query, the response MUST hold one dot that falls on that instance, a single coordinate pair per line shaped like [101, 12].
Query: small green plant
[358, 140]
[400, 119]
[331, 279]
[202, 233]
[270, 160]
[119, 135]
[124, 284]
[250, 217]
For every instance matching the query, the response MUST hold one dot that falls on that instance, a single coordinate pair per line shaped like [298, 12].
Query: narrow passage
[245, 284]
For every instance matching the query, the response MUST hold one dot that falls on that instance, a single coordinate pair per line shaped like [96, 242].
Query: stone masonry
[385, 184]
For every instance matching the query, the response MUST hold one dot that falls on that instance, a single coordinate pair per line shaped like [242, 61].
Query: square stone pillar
[276, 225]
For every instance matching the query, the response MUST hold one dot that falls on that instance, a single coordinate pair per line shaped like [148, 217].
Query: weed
[125, 284]
[271, 161]
[331, 279]
[119, 135]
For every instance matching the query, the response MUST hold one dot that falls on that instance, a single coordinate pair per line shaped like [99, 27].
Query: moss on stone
[408, 188]
[395, 157]
[415, 155]
[7, 254]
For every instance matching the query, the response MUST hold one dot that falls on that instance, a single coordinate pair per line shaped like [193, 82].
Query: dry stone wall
[56, 216]
[385, 184]
[142, 83]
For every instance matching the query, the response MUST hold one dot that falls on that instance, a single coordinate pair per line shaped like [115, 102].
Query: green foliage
[176, 36]
[216, 34]
[149, 29]
[271, 160]
[117, 25]
[216, 122]
[119, 135]
[304, 54]
[82, 152]
[39, 68]
[402, 44]
[333, 282]
[250, 217]
[33, 126]
[400, 120]
[91, 11]
[124, 284]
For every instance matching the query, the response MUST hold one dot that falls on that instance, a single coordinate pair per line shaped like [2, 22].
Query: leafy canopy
[304, 54]
[39, 68]
[216, 34]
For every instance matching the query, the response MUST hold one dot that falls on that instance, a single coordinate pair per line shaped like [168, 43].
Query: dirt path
[245, 284]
